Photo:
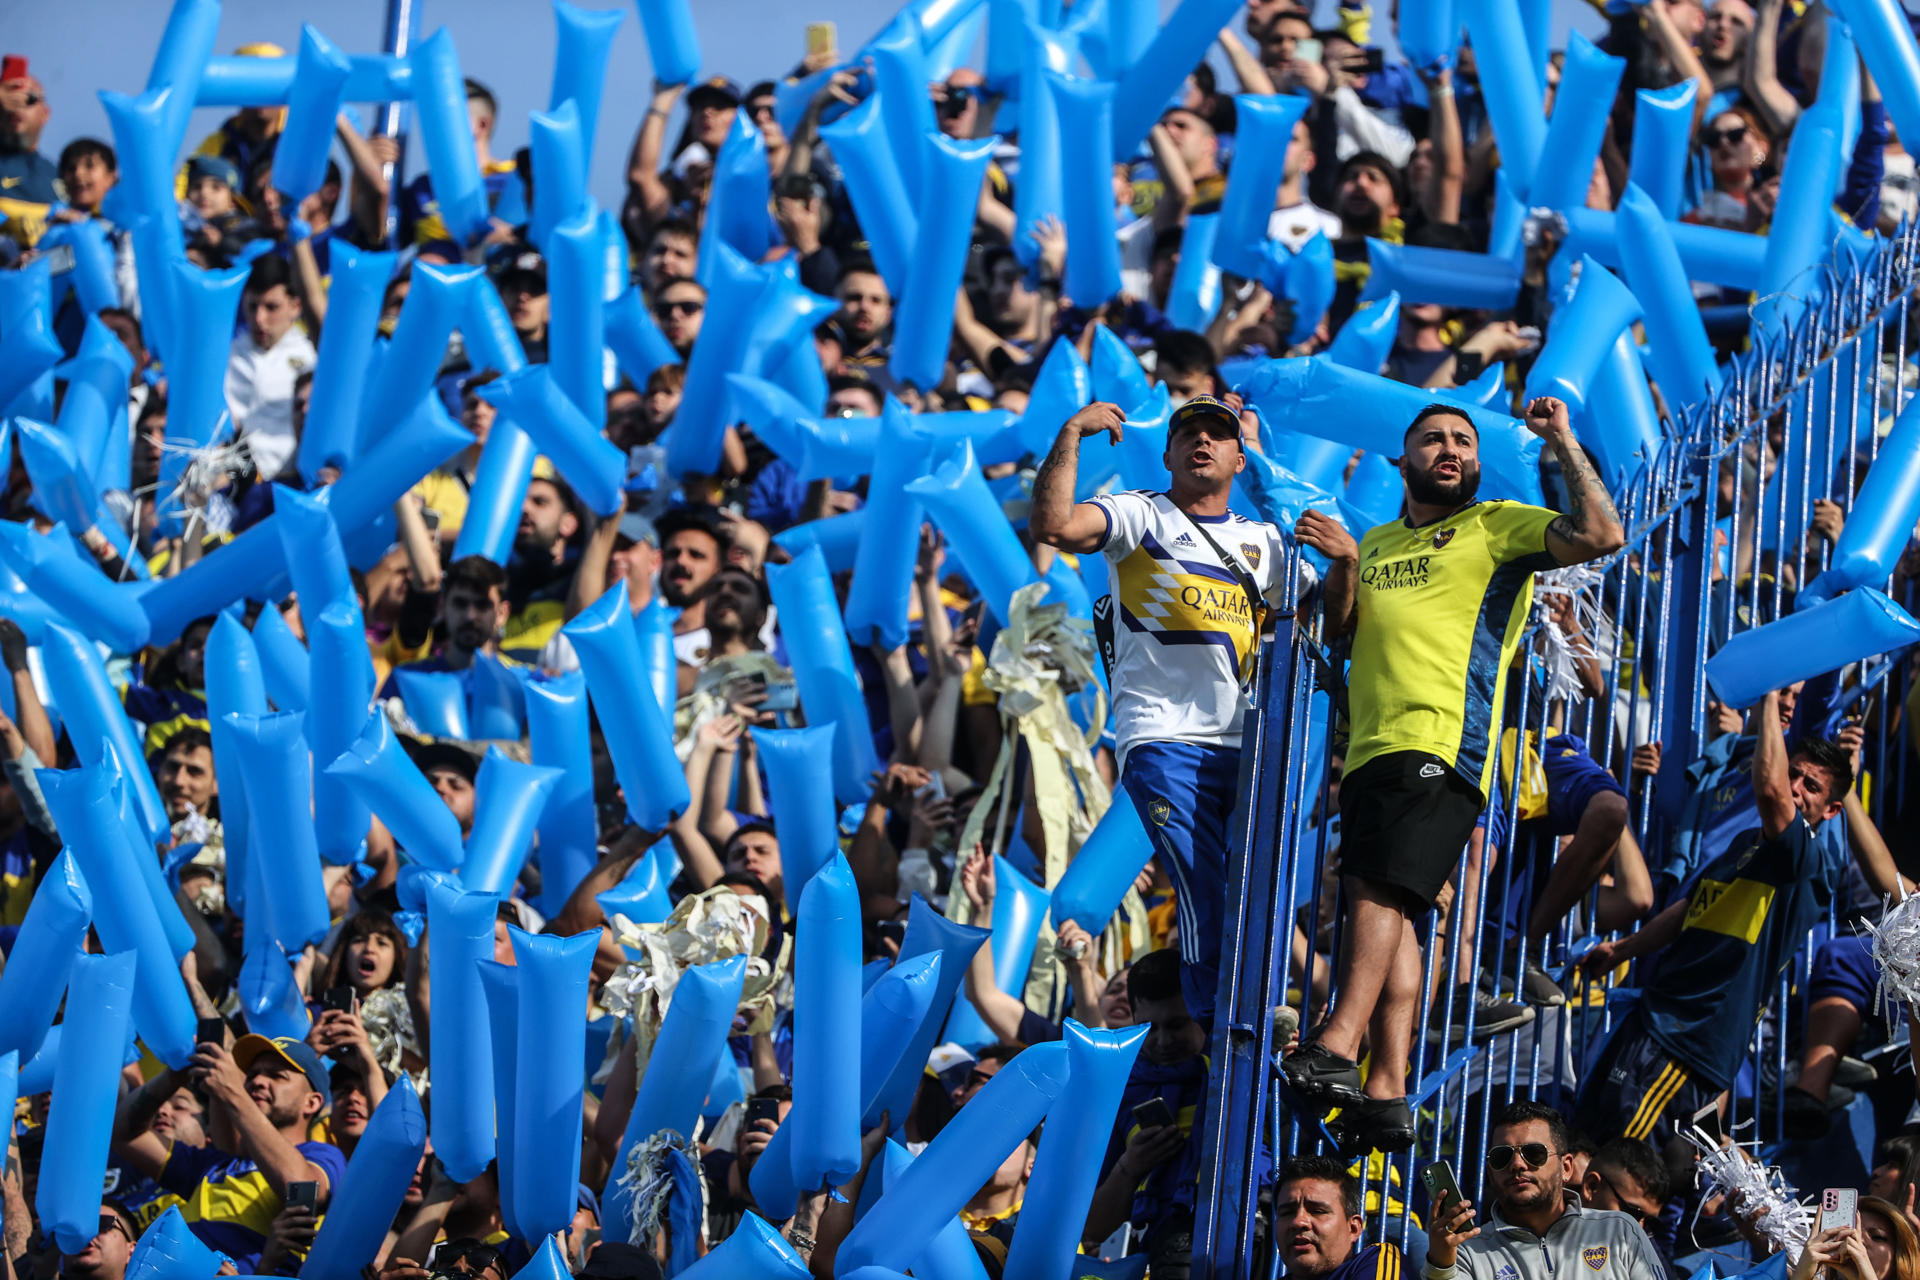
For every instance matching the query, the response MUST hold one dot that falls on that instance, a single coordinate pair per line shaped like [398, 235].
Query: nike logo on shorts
[1431, 770]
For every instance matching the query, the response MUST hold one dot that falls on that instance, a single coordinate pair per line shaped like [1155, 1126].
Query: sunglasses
[683, 307]
[1534, 1153]
[111, 1222]
[1717, 137]
[761, 110]
[1640, 1215]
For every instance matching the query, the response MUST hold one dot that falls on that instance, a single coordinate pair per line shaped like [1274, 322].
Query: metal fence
[1721, 533]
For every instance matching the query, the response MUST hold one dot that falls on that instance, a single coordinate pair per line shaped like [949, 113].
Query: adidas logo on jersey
[1184, 541]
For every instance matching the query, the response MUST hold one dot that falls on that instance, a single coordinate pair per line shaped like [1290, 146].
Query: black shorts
[1405, 819]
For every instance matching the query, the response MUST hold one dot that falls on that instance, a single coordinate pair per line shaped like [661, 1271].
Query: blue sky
[78, 47]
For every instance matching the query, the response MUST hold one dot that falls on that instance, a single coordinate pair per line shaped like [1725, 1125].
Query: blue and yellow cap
[1200, 411]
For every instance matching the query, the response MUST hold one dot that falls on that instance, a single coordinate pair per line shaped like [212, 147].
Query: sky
[78, 47]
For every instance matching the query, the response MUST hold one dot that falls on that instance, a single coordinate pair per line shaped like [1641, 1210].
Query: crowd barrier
[1718, 530]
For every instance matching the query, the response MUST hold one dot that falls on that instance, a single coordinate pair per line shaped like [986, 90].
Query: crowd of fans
[1385, 151]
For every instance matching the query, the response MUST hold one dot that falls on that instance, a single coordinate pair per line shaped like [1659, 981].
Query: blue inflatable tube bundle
[376, 768]
[49, 941]
[675, 1078]
[822, 663]
[378, 1173]
[275, 764]
[1063, 1180]
[932, 1191]
[509, 798]
[1809, 643]
[550, 1074]
[826, 1009]
[73, 1164]
[557, 727]
[460, 922]
[950, 178]
[1263, 134]
[639, 736]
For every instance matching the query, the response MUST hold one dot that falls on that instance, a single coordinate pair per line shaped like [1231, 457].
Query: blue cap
[295, 1053]
[1204, 409]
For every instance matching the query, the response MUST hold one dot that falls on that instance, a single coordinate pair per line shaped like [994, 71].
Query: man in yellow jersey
[1436, 603]
[1191, 585]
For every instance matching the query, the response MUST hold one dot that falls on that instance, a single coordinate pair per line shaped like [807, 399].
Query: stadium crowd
[983, 776]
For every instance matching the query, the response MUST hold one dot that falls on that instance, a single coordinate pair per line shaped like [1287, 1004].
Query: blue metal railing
[1718, 534]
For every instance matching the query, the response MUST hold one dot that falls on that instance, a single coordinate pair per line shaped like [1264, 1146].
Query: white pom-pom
[1749, 1188]
[1896, 950]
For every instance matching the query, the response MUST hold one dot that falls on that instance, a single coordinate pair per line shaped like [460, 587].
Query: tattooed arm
[1056, 519]
[1590, 528]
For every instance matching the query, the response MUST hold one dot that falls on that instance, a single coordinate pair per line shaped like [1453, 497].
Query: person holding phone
[264, 1097]
[1879, 1245]
[1539, 1227]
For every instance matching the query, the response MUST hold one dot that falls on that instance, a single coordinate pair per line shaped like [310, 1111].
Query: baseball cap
[214, 167]
[295, 1053]
[441, 755]
[714, 89]
[1202, 410]
[635, 527]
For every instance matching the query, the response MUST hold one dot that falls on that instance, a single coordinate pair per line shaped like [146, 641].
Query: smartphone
[59, 258]
[1839, 1207]
[210, 1031]
[781, 696]
[762, 1109]
[1308, 50]
[821, 38]
[340, 998]
[1440, 1181]
[303, 1195]
[1154, 1113]
[1373, 62]
[894, 930]
[936, 787]
[1707, 1120]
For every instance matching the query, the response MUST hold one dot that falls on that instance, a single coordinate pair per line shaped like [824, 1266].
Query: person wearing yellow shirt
[1435, 602]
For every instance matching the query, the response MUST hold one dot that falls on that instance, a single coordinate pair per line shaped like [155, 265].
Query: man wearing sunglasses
[105, 1256]
[1539, 1228]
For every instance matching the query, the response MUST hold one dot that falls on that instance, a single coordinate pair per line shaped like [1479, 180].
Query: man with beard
[473, 611]
[1539, 1228]
[1435, 603]
[541, 568]
[865, 315]
[1191, 583]
[1368, 200]
[1318, 1225]
[262, 1098]
[692, 549]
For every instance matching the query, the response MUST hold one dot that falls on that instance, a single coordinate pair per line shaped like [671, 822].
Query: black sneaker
[1804, 1118]
[1537, 986]
[1492, 1015]
[1322, 1077]
[1376, 1124]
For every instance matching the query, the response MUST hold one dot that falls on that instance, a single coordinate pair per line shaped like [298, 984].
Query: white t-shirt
[1183, 634]
[260, 396]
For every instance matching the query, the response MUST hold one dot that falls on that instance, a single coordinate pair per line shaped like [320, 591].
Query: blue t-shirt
[228, 1202]
[1746, 914]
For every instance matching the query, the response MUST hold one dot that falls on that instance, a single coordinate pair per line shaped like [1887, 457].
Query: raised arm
[643, 163]
[1772, 788]
[1056, 519]
[1760, 77]
[1247, 70]
[1442, 197]
[1338, 600]
[1590, 528]
[590, 579]
[1172, 206]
